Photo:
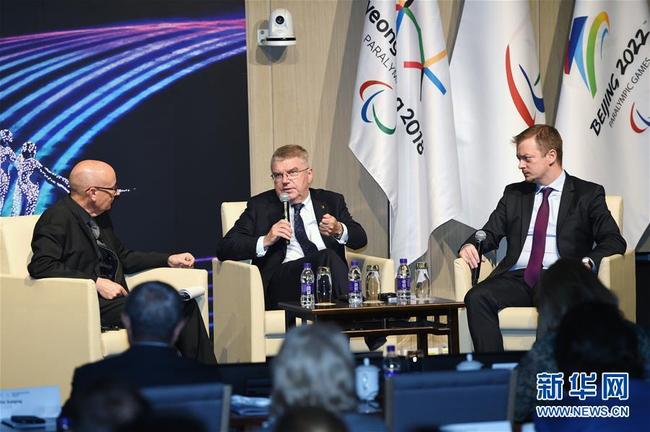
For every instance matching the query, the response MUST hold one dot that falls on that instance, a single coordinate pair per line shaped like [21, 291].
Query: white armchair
[243, 330]
[48, 327]
[519, 324]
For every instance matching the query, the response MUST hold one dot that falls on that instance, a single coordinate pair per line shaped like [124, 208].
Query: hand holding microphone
[282, 228]
[480, 237]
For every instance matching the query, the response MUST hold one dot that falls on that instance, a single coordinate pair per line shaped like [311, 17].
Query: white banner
[402, 120]
[604, 110]
[497, 94]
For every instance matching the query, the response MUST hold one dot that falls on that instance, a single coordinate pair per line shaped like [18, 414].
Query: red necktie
[534, 268]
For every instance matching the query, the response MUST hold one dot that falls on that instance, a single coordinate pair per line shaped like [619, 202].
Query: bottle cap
[390, 348]
[421, 265]
[366, 361]
[469, 364]
[403, 261]
[355, 263]
[306, 265]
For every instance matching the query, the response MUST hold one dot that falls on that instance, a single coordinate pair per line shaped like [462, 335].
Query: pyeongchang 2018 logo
[637, 125]
[424, 65]
[584, 54]
[370, 92]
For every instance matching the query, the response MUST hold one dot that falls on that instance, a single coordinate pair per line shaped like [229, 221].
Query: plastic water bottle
[392, 365]
[354, 285]
[307, 286]
[403, 282]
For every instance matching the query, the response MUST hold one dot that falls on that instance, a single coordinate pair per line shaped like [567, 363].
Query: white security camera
[280, 31]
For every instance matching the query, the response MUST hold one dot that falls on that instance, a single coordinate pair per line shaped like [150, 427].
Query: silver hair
[314, 368]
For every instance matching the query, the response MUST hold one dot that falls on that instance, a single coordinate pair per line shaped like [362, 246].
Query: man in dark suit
[549, 215]
[74, 238]
[153, 318]
[319, 228]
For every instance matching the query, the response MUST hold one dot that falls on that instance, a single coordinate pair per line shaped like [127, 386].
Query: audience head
[93, 185]
[594, 337]
[107, 407]
[153, 313]
[309, 419]
[314, 368]
[291, 172]
[565, 284]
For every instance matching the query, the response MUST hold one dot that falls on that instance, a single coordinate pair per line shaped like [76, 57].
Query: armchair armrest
[386, 269]
[54, 318]
[178, 278]
[463, 276]
[617, 272]
[238, 305]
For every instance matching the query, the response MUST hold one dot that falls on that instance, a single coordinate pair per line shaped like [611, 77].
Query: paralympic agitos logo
[369, 92]
[636, 126]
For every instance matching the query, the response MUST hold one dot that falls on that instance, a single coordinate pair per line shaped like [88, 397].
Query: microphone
[284, 198]
[480, 237]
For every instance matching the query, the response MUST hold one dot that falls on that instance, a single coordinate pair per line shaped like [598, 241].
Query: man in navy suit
[319, 228]
[153, 318]
[549, 215]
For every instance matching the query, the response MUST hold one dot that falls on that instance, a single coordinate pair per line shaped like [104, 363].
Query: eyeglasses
[115, 191]
[292, 174]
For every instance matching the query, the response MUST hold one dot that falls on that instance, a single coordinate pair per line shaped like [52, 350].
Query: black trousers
[486, 299]
[193, 342]
[285, 282]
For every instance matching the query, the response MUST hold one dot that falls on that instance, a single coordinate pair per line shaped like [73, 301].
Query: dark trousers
[285, 282]
[193, 342]
[486, 299]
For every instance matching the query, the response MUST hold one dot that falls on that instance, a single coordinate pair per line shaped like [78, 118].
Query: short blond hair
[290, 151]
[546, 137]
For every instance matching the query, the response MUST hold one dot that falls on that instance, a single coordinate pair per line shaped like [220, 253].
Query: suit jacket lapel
[565, 203]
[75, 209]
[527, 203]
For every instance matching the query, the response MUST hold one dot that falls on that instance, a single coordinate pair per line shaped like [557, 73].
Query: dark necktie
[534, 268]
[307, 246]
[108, 261]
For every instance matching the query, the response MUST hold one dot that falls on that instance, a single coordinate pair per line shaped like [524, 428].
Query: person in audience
[319, 228]
[594, 338]
[315, 368]
[310, 419]
[153, 318]
[564, 285]
[74, 239]
[108, 406]
[549, 215]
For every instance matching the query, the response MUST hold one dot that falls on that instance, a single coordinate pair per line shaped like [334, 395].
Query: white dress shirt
[294, 251]
[551, 253]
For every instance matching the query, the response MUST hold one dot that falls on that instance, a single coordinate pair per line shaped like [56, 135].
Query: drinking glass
[323, 286]
[373, 286]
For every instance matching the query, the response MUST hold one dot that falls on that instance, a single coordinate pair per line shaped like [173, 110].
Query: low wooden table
[386, 319]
